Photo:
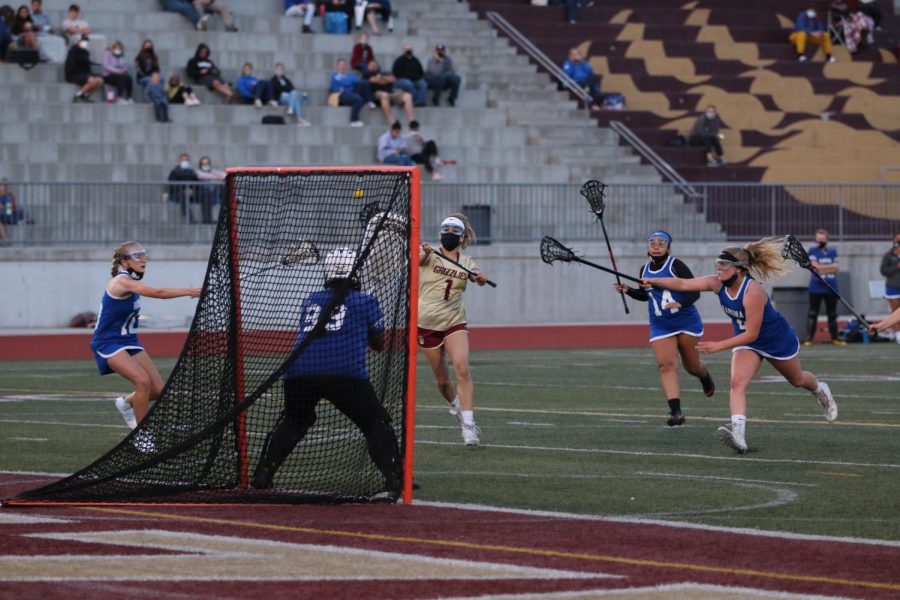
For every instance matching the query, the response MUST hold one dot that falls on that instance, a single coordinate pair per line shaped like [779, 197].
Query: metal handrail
[542, 59]
[655, 159]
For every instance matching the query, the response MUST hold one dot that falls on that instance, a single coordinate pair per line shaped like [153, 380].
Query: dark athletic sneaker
[675, 419]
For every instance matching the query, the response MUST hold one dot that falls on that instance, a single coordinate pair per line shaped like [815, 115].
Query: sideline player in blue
[333, 367]
[825, 261]
[760, 331]
[115, 343]
[675, 324]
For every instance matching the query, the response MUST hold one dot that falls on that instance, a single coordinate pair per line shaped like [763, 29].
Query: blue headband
[660, 234]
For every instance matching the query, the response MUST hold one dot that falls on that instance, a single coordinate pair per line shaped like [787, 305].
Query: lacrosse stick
[303, 254]
[595, 193]
[388, 254]
[794, 250]
[552, 251]
[453, 262]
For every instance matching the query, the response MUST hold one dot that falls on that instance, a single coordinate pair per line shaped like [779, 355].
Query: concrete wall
[44, 288]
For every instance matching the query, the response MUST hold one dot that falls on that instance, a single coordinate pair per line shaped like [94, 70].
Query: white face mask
[83, 44]
[205, 168]
[185, 164]
[810, 13]
[117, 52]
[710, 114]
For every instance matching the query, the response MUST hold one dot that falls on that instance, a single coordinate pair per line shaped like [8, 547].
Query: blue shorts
[891, 293]
[101, 355]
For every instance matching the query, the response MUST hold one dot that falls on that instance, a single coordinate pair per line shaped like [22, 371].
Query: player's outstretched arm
[122, 285]
[676, 284]
[889, 321]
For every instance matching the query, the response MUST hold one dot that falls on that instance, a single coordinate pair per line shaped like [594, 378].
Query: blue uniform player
[825, 261]
[760, 332]
[675, 324]
[115, 343]
[333, 367]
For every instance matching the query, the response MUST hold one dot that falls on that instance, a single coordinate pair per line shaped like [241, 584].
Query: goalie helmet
[339, 264]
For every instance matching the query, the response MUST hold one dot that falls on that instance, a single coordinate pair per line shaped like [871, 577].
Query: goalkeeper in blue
[675, 324]
[333, 367]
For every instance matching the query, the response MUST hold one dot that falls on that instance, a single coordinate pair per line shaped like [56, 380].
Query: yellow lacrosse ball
[359, 193]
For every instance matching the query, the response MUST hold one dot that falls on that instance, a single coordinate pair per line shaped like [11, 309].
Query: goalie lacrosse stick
[453, 262]
[595, 193]
[553, 250]
[302, 255]
[794, 250]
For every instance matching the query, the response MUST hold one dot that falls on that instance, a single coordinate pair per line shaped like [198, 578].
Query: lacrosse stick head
[552, 251]
[794, 250]
[305, 253]
[595, 193]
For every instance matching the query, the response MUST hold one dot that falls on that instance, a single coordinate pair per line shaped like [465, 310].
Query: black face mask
[822, 245]
[134, 274]
[450, 241]
[658, 260]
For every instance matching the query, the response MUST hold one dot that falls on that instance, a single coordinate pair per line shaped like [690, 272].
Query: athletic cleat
[732, 439]
[127, 411]
[807, 343]
[675, 419]
[470, 434]
[456, 410]
[709, 386]
[826, 401]
[838, 343]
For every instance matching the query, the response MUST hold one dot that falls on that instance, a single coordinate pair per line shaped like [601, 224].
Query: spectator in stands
[349, 90]
[342, 6]
[180, 94]
[205, 7]
[201, 69]
[825, 261]
[115, 73]
[51, 45]
[890, 269]
[209, 195]
[440, 75]
[78, 71]
[705, 132]
[155, 93]
[40, 19]
[251, 89]
[23, 29]
[378, 8]
[582, 73]
[421, 151]
[870, 8]
[385, 94]
[182, 7]
[74, 26]
[410, 76]
[809, 28]
[179, 193]
[301, 8]
[853, 25]
[392, 148]
[10, 213]
[362, 54]
[145, 63]
[572, 7]
[6, 17]
[285, 94]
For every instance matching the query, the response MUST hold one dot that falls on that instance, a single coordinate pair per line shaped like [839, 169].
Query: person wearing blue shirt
[351, 91]
[675, 324]
[583, 74]
[825, 261]
[809, 28]
[115, 343]
[760, 331]
[251, 89]
[337, 327]
[392, 148]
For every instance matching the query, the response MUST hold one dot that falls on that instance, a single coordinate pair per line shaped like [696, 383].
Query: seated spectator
[410, 76]
[182, 7]
[362, 54]
[870, 8]
[384, 93]
[180, 94]
[40, 19]
[145, 63]
[853, 25]
[209, 195]
[10, 212]
[51, 45]
[23, 29]
[572, 7]
[201, 69]
[251, 89]
[6, 39]
[179, 193]
[422, 152]
[205, 7]
[350, 90]
[809, 28]
[342, 6]
[285, 94]
[301, 8]
[75, 28]
[115, 73]
[78, 71]
[705, 132]
[440, 75]
[582, 73]
[155, 93]
[392, 148]
[377, 8]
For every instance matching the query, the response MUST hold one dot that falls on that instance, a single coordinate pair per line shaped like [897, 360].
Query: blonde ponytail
[763, 258]
[120, 254]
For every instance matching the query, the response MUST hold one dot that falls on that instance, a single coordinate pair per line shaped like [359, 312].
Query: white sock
[468, 417]
[738, 424]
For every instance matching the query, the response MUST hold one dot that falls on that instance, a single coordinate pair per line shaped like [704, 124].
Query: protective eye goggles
[722, 265]
[658, 241]
[137, 255]
[454, 229]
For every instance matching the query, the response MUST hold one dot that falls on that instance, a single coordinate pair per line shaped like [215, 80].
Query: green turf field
[581, 431]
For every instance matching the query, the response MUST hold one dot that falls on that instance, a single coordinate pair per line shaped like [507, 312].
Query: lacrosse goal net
[203, 437]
